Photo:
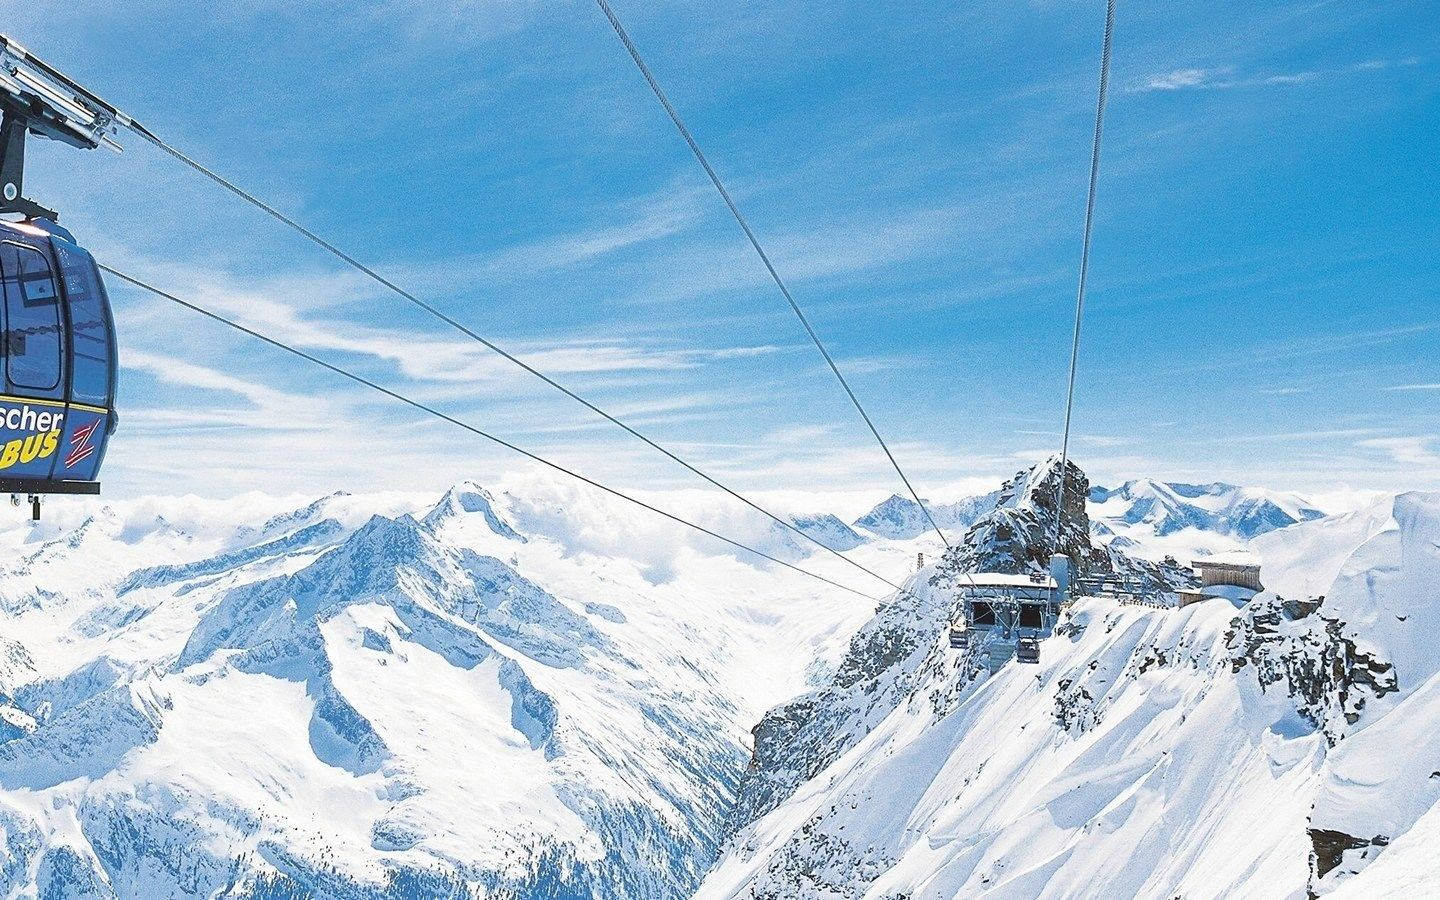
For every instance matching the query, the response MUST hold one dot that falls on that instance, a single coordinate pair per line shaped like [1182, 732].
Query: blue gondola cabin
[57, 407]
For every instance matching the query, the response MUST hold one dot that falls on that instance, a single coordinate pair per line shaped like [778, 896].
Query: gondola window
[32, 320]
[90, 325]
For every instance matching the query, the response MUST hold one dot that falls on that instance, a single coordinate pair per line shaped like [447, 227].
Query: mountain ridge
[1268, 748]
[495, 690]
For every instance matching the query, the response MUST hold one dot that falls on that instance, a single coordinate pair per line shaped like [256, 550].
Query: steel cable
[395, 395]
[351, 261]
[1084, 264]
[760, 250]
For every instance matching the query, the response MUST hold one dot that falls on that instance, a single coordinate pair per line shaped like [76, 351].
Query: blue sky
[1265, 294]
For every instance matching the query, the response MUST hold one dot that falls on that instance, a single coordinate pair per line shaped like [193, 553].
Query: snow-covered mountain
[537, 692]
[1238, 512]
[828, 529]
[891, 654]
[384, 696]
[1268, 750]
[899, 518]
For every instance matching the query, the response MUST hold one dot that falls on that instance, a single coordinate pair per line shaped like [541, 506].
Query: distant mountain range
[369, 698]
[552, 695]
[1165, 508]
[1159, 508]
[901, 518]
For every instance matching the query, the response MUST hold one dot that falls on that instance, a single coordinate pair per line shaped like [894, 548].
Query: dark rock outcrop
[1329, 850]
[1292, 647]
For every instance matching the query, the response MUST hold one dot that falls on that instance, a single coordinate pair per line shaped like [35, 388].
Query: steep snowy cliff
[1267, 750]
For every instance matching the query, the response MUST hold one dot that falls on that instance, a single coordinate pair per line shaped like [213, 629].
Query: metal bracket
[29, 486]
[13, 127]
[37, 98]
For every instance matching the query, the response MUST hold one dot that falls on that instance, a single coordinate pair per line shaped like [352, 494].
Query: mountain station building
[1234, 576]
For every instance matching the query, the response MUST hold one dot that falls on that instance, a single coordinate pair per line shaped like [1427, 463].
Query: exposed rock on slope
[1270, 750]
[896, 651]
[1295, 649]
[797, 740]
[1019, 534]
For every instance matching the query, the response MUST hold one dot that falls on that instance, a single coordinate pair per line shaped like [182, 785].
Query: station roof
[1005, 580]
[1234, 558]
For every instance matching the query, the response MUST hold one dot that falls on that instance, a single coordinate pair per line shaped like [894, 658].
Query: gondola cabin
[57, 340]
[57, 403]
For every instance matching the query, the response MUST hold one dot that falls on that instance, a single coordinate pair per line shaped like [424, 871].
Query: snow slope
[1068, 780]
[386, 696]
[539, 693]
[1266, 750]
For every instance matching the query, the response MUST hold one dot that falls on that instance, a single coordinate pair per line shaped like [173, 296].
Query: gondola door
[90, 413]
[33, 410]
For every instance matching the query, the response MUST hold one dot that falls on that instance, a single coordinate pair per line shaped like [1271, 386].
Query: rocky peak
[469, 498]
[895, 517]
[1018, 535]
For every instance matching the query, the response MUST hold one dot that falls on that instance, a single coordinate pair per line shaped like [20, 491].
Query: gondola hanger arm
[36, 98]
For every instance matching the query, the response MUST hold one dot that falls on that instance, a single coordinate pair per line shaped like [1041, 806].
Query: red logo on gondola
[80, 446]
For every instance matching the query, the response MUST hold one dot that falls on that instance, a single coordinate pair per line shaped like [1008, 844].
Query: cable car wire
[1084, 262]
[433, 311]
[760, 250]
[395, 395]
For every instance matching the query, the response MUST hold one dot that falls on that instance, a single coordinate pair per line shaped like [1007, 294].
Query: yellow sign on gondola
[30, 448]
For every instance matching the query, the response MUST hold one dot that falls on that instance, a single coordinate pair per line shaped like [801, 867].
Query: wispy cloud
[749, 352]
[629, 224]
[1178, 79]
[1431, 386]
[1093, 440]
[290, 311]
[799, 434]
[1226, 77]
[268, 408]
[1269, 352]
[1282, 391]
[1307, 435]
[1415, 450]
[1103, 440]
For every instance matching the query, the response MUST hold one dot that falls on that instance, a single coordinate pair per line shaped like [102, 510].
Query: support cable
[1084, 264]
[760, 250]
[395, 395]
[433, 311]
